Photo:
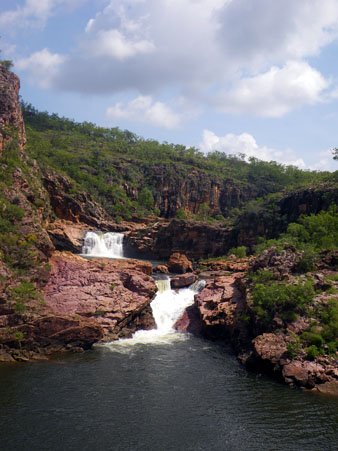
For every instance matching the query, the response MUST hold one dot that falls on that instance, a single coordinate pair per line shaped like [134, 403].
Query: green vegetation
[311, 234]
[117, 167]
[21, 293]
[282, 299]
[239, 251]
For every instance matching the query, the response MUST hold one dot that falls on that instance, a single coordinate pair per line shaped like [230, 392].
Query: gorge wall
[10, 112]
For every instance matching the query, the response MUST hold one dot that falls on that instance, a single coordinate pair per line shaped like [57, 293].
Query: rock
[233, 264]
[193, 239]
[67, 236]
[178, 263]
[163, 269]
[190, 321]
[219, 304]
[183, 281]
[10, 111]
[329, 388]
[296, 372]
[280, 263]
[110, 292]
[74, 207]
[63, 330]
[5, 356]
[270, 347]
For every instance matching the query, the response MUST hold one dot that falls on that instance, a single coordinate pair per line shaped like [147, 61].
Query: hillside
[132, 177]
[262, 235]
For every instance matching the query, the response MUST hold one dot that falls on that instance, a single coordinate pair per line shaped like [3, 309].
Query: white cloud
[34, 13]
[324, 161]
[276, 92]
[143, 109]
[246, 144]
[113, 43]
[251, 53]
[265, 32]
[42, 66]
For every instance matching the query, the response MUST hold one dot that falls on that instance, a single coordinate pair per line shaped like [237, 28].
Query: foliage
[181, 214]
[278, 298]
[239, 251]
[311, 352]
[114, 165]
[311, 234]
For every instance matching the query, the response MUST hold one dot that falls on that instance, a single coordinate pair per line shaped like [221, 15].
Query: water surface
[185, 395]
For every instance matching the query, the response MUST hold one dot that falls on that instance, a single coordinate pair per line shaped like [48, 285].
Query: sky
[258, 77]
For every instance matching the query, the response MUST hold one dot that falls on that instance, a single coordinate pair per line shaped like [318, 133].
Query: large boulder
[183, 280]
[179, 263]
[110, 292]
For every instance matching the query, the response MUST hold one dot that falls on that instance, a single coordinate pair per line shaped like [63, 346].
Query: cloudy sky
[258, 77]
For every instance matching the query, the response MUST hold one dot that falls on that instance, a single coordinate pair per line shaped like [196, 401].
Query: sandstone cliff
[11, 120]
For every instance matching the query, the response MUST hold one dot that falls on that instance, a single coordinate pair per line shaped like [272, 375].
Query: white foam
[108, 245]
[167, 306]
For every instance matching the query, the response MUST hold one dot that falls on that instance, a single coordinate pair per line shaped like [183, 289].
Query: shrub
[262, 276]
[181, 214]
[112, 286]
[312, 339]
[293, 349]
[238, 251]
[280, 297]
[146, 198]
[311, 352]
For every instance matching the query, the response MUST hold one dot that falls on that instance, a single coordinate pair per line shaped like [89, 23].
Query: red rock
[111, 292]
[329, 388]
[178, 263]
[183, 281]
[10, 111]
[297, 372]
[190, 321]
[161, 269]
[270, 347]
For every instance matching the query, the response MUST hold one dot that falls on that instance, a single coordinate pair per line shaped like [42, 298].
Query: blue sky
[257, 77]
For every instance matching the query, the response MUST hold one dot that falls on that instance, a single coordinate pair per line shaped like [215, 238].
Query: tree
[335, 153]
[7, 64]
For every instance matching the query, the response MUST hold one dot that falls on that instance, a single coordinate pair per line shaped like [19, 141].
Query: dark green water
[188, 395]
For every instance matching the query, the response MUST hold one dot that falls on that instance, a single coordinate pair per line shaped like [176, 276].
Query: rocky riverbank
[225, 310]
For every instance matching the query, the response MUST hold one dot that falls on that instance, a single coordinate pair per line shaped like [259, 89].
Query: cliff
[51, 302]
[11, 120]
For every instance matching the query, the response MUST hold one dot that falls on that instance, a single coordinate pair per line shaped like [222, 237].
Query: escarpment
[11, 120]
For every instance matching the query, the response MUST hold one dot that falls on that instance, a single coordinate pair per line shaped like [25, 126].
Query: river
[159, 391]
[189, 394]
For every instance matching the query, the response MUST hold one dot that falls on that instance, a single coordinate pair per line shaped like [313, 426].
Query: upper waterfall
[109, 245]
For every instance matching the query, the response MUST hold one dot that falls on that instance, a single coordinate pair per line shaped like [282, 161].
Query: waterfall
[167, 307]
[108, 245]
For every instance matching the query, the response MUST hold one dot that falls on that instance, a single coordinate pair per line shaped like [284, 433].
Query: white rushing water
[167, 306]
[108, 245]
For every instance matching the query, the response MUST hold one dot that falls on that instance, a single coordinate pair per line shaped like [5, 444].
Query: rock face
[176, 189]
[10, 111]
[194, 239]
[67, 236]
[288, 209]
[78, 207]
[112, 293]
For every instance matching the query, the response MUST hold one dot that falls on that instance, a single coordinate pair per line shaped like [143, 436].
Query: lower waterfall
[98, 244]
[167, 306]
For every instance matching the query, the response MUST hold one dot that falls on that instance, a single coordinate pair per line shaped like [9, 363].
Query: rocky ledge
[224, 310]
[113, 293]
[83, 302]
